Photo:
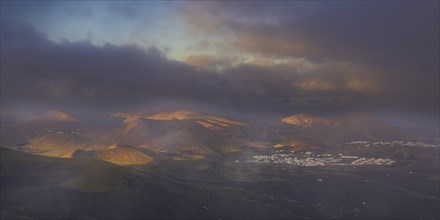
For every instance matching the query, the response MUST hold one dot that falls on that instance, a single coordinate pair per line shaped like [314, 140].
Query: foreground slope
[41, 187]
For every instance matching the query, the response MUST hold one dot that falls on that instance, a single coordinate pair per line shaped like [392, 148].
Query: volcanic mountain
[359, 126]
[51, 120]
[19, 133]
[54, 115]
[167, 136]
[185, 136]
[116, 155]
[77, 145]
[181, 115]
[304, 120]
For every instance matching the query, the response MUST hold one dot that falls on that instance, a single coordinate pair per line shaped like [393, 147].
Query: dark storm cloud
[34, 68]
[336, 30]
[344, 55]
[398, 42]
[40, 71]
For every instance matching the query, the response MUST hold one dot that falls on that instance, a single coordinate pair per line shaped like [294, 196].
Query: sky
[276, 57]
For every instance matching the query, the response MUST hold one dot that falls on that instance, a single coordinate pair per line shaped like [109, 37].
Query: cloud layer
[280, 57]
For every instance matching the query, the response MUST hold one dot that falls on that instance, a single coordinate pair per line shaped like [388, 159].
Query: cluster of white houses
[309, 160]
[62, 132]
[392, 143]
